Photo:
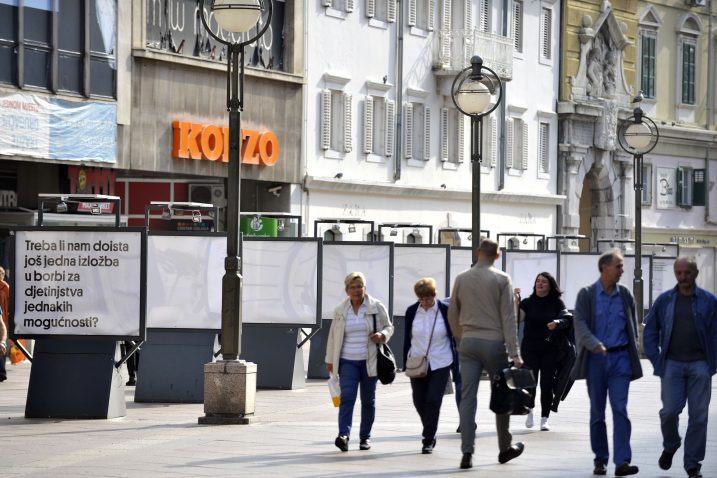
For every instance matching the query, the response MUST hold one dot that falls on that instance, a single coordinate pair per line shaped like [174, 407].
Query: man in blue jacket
[681, 342]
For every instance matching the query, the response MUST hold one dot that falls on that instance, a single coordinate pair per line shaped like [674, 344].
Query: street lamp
[235, 17]
[476, 92]
[638, 136]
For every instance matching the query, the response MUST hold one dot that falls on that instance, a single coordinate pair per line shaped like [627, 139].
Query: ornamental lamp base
[229, 393]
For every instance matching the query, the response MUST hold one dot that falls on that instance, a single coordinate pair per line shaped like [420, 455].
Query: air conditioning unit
[208, 194]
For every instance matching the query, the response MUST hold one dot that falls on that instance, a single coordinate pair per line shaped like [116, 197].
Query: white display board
[580, 270]
[461, 260]
[79, 282]
[663, 275]
[184, 281]
[374, 260]
[524, 267]
[410, 263]
[281, 281]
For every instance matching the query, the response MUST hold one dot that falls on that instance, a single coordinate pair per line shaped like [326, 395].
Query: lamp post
[473, 91]
[235, 17]
[638, 136]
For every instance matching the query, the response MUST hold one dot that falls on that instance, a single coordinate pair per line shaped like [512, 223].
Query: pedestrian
[681, 341]
[5, 319]
[607, 343]
[544, 340]
[482, 319]
[427, 334]
[360, 322]
[3, 350]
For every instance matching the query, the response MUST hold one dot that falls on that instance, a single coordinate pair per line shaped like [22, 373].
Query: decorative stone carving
[606, 126]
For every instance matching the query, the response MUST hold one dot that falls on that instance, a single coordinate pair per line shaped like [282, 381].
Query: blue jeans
[353, 373]
[691, 383]
[609, 376]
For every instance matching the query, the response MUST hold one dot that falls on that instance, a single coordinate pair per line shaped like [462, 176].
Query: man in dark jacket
[606, 339]
[681, 342]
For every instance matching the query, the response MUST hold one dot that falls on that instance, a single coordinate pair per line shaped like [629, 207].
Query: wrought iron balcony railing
[453, 49]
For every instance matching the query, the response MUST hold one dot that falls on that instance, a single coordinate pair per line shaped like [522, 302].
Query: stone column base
[229, 393]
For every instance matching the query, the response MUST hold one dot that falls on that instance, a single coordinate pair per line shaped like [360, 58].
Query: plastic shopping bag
[335, 390]
[16, 356]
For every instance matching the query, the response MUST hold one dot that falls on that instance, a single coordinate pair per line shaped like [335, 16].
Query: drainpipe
[502, 109]
[399, 92]
[304, 206]
[710, 53]
[708, 219]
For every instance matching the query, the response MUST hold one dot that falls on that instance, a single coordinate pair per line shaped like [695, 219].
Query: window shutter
[509, 141]
[391, 11]
[370, 8]
[327, 3]
[546, 33]
[412, 12]
[646, 184]
[431, 15]
[446, 16]
[468, 15]
[368, 125]
[348, 120]
[444, 134]
[409, 131]
[493, 142]
[325, 119]
[698, 187]
[445, 33]
[426, 134]
[350, 5]
[518, 26]
[390, 126]
[544, 148]
[483, 15]
[684, 187]
[461, 125]
[524, 146]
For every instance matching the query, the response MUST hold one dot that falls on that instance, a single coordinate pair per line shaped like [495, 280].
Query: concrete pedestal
[229, 393]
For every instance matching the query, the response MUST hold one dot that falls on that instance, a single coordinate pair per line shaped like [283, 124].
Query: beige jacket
[338, 326]
[482, 307]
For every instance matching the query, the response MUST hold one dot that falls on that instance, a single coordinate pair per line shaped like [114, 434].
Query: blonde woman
[351, 353]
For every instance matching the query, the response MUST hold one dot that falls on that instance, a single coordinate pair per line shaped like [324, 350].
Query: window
[452, 137]
[379, 126]
[490, 143]
[646, 184]
[685, 189]
[546, 33]
[518, 26]
[483, 14]
[698, 187]
[688, 34]
[418, 131]
[68, 49]
[382, 10]
[648, 39]
[336, 122]
[688, 73]
[544, 148]
[340, 5]
[516, 145]
[422, 14]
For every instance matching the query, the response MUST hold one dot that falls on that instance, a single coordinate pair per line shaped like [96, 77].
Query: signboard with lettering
[665, 189]
[71, 282]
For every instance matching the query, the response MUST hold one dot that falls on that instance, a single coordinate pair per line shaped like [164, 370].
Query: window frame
[517, 26]
[688, 70]
[337, 130]
[453, 135]
[545, 55]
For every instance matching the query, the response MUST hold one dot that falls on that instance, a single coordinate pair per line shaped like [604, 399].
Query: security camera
[276, 190]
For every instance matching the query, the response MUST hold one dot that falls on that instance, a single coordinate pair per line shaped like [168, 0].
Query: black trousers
[544, 366]
[3, 372]
[132, 362]
[428, 397]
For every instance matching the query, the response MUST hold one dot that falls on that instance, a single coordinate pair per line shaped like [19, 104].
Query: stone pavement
[294, 434]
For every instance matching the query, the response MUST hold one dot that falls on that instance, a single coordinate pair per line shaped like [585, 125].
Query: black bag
[515, 401]
[385, 361]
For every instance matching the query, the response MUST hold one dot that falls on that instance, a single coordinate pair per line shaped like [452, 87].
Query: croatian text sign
[78, 283]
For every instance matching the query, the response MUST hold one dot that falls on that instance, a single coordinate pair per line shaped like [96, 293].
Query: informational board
[580, 270]
[524, 267]
[184, 281]
[373, 259]
[282, 281]
[412, 262]
[663, 275]
[79, 282]
[461, 260]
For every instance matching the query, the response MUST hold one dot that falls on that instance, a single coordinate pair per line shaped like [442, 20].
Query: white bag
[417, 367]
[335, 389]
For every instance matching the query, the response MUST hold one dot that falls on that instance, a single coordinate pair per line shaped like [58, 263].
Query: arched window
[650, 23]
[687, 34]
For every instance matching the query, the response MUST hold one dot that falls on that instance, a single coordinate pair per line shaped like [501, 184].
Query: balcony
[453, 49]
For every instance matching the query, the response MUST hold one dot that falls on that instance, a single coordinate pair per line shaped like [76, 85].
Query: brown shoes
[600, 469]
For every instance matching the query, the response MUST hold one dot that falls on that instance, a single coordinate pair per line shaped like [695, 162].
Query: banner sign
[665, 189]
[79, 283]
[47, 127]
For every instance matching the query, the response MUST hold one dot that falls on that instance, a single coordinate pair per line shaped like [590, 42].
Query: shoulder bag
[385, 361]
[417, 367]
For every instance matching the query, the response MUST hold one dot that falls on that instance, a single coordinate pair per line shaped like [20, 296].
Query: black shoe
[131, 382]
[428, 446]
[694, 473]
[626, 469]
[600, 469]
[342, 442]
[467, 461]
[665, 460]
[513, 452]
[365, 444]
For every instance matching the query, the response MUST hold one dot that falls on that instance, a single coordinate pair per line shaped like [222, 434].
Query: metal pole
[476, 158]
[637, 285]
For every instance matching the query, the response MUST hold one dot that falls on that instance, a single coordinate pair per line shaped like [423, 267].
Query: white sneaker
[544, 426]
[529, 419]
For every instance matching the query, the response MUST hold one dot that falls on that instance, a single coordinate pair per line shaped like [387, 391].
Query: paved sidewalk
[294, 435]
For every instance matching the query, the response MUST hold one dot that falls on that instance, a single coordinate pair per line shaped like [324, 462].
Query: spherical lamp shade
[638, 136]
[473, 97]
[236, 16]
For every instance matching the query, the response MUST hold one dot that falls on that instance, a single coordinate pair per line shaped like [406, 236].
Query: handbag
[507, 400]
[385, 361]
[417, 367]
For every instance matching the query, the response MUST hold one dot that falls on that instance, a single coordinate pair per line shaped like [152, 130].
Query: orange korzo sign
[210, 142]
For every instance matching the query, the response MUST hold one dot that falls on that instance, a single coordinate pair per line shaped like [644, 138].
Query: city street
[294, 433]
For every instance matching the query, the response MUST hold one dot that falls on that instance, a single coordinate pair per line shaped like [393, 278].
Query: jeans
[475, 355]
[428, 397]
[353, 373]
[609, 376]
[691, 383]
